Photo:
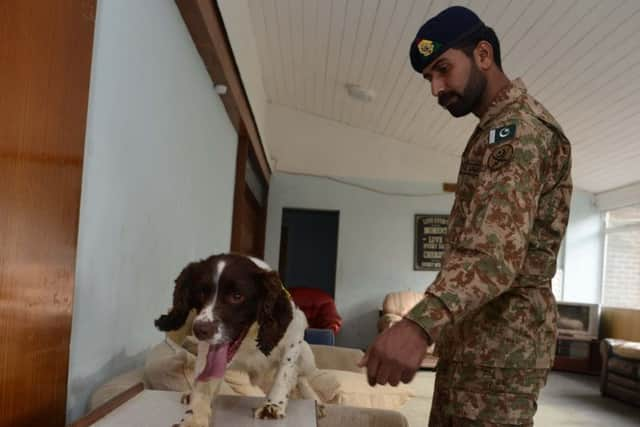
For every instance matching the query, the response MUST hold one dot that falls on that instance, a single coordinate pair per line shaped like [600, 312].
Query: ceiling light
[360, 93]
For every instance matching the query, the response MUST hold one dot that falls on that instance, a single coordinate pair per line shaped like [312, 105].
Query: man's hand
[396, 354]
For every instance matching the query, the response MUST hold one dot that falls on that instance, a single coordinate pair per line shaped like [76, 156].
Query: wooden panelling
[621, 323]
[105, 409]
[45, 57]
[249, 217]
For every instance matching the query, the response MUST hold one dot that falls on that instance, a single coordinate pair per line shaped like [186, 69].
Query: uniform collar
[507, 95]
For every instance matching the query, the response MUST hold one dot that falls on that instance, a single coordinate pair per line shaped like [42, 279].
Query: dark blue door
[309, 248]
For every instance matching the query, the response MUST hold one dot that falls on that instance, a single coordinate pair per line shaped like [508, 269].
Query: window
[622, 258]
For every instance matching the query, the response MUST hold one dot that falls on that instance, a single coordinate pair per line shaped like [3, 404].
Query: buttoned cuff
[431, 315]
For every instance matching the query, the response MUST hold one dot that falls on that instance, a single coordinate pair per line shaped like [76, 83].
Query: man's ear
[274, 311]
[483, 55]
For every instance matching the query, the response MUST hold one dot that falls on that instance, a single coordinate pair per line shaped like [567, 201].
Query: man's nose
[204, 330]
[437, 86]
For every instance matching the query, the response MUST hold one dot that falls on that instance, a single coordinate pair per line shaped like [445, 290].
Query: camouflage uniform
[490, 309]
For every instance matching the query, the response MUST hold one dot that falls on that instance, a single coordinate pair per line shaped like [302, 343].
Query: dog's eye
[236, 298]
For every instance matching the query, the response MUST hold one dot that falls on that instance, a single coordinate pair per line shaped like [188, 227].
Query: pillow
[352, 389]
[333, 357]
[114, 387]
[169, 367]
[628, 349]
[238, 382]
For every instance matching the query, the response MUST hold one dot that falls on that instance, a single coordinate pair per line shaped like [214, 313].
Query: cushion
[401, 302]
[337, 415]
[114, 387]
[342, 358]
[169, 367]
[319, 336]
[628, 349]
[352, 389]
[318, 307]
[238, 383]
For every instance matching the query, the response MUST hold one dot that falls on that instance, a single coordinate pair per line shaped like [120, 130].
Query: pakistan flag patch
[504, 133]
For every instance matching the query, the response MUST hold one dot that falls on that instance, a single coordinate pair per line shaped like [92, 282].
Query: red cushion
[318, 306]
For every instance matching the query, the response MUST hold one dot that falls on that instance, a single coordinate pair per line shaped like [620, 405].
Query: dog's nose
[204, 330]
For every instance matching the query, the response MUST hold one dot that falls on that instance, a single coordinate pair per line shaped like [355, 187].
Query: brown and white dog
[245, 320]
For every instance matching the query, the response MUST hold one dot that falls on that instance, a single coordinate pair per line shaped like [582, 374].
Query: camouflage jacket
[491, 304]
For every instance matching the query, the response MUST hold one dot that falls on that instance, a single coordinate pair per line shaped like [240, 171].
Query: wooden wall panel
[45, 57]
[621, 323]
[249, 218]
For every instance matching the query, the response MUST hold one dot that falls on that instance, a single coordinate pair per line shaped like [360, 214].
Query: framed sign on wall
[429, 236]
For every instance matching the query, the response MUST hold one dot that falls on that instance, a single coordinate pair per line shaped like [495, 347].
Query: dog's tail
[172, 320]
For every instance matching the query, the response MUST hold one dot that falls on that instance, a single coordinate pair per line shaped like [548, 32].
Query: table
[154, 408]
[578, 354]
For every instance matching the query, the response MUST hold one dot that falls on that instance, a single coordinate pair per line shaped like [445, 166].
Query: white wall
[583, 251]
[619, 197]
[375, 242]
[157, 187]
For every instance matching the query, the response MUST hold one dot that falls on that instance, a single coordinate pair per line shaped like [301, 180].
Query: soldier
[490, 309]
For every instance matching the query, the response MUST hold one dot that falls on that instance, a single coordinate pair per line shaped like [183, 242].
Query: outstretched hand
[396, 354]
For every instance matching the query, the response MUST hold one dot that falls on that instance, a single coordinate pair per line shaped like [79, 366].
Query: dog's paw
[271, 411]
[190, 421]
[321, 410]
[185, 399]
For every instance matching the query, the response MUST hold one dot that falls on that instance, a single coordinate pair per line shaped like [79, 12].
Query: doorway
[309, 248]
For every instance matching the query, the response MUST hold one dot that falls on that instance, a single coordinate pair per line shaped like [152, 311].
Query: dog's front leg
[286, 378]
[199, 411]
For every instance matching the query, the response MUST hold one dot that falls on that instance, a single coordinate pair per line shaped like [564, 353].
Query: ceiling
[580, 58]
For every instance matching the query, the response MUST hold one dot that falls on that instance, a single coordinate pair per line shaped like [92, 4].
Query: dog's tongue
[215, 363]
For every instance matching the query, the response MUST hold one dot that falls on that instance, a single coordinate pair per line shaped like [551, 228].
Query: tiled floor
[567, 400]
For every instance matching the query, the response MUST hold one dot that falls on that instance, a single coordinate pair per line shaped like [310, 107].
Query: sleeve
[485, 257]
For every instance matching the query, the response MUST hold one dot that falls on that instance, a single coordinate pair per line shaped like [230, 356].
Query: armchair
[620, 376]
[322, 316]
[394, 307]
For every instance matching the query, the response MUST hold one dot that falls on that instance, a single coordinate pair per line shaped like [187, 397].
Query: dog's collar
[285, 290]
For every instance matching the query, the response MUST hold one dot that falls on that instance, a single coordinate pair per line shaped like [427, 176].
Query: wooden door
[45, 61]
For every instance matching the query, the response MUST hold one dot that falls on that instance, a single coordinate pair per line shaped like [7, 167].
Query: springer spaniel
[245, 320]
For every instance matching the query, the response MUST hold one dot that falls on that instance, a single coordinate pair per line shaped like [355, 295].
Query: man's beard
[464, 103]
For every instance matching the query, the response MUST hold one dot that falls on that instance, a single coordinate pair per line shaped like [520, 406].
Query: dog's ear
[274, 312]
[182, 303]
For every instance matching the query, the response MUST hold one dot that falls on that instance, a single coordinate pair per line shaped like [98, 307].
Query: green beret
[440, 33]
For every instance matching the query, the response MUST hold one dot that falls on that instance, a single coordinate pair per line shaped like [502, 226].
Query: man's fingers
[394, 377]
[383, 374]
[407, 375]
[364, 360]
[372, 370]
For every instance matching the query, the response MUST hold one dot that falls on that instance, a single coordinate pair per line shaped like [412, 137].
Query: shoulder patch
[500, 156]
[501, 134]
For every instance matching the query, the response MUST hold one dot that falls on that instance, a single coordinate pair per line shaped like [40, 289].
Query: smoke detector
[360, 93]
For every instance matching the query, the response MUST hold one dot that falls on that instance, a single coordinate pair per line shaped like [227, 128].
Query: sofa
[620, 376]
[394, 307]
[339, 382]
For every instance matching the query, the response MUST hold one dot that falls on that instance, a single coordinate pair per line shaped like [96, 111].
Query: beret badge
[426, 47]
